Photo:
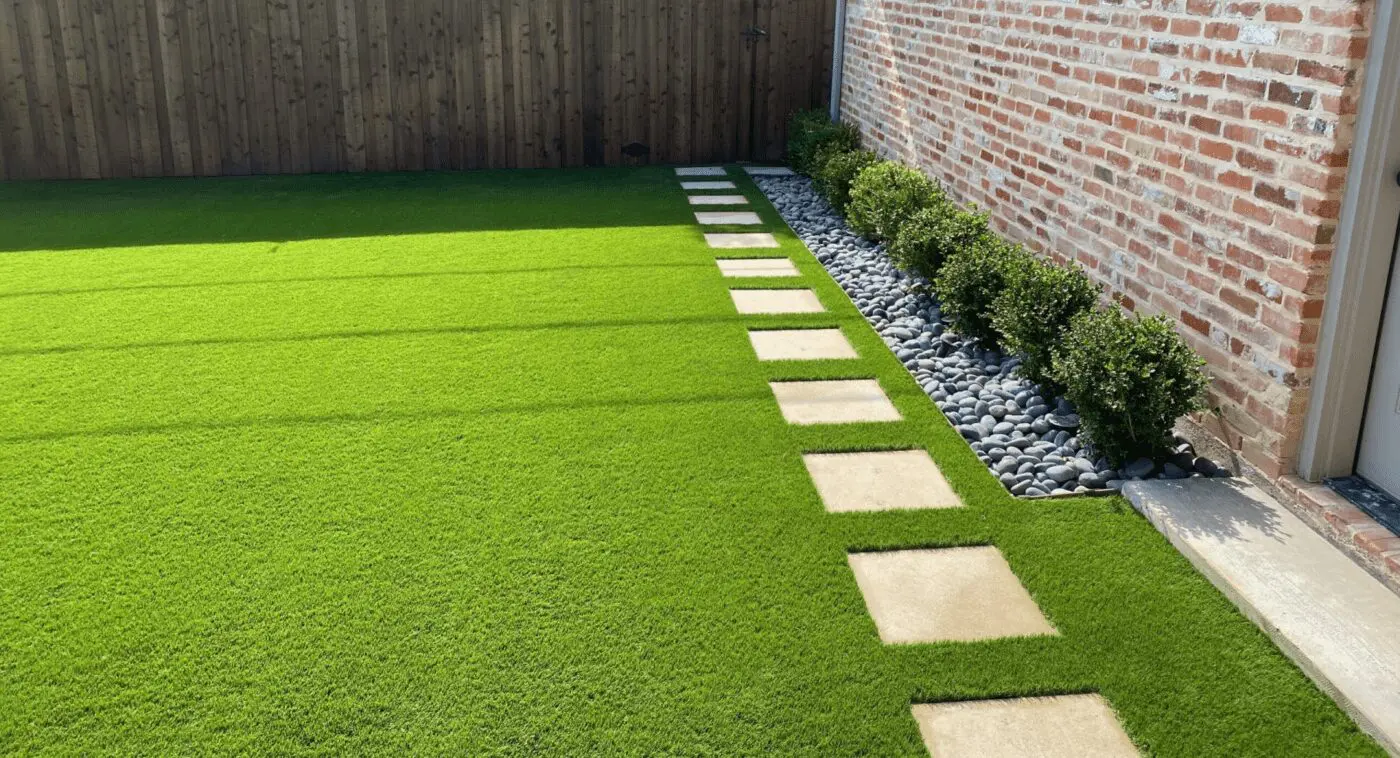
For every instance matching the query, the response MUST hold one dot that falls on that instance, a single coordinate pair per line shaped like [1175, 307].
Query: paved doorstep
[717, 199]
[741, 268]
[708, 185]
[776, 301]
[801, 345]
[1335, 620]
[722, 218]
[950, 594]
[700, 171]
[1065, 726]
[879, 481]
[844, 401]
[739, 240]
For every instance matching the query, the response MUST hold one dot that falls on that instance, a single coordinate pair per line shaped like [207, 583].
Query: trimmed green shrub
[835, 170]
[969, 282]
[1130, 378]
[928, 237]
[1040, 301]
[809, 132]
[883, 195]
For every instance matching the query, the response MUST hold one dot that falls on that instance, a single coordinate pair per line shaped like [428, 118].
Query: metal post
[838, 56]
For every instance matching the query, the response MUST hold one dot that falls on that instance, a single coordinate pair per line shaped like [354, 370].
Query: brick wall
[1189, 153]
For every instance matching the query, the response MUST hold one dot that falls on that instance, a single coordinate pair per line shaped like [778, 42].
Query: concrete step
[1335, 620]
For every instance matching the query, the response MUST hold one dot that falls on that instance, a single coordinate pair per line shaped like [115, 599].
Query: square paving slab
[700, 171]
[848, 401]
[801, 345]
[708, 185]
[879, 481]
[718, 200]
[1066, 726]
[713, 218]
[768, 171]
[741, 240]
[776, 301]
[961, 593]
[739, 268]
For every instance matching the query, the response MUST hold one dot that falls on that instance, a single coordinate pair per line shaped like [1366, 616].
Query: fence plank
[116, 88]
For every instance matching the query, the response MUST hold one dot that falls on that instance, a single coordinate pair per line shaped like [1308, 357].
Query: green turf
[483, 464]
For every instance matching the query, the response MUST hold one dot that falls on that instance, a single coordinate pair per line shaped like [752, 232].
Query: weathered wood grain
[116, 88]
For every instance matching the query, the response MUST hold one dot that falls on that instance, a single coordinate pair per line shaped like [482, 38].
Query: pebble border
[1029, 442]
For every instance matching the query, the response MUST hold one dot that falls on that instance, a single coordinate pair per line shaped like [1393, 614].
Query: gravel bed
[1029, 441]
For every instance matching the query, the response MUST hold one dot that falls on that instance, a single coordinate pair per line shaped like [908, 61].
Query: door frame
[1361, 264]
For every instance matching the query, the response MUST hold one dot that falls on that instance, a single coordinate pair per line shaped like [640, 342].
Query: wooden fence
[116, 88]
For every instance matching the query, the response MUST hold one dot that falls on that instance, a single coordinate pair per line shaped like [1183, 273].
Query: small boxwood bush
[970, 281]
[928, 237]
[1130, 378]
[836, 169]
[811, 131]
[884, 195]
[1034, 312]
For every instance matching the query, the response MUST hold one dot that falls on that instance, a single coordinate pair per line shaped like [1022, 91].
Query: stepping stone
[801, 345]
[849, 401]
[718, 200]
[882, 481]
[1064, 726]
[768, 171]
[708, 185]
[700, 171]
[720, 218]
[776, 301]
[734, 241]
[739, 268]
[961, 593]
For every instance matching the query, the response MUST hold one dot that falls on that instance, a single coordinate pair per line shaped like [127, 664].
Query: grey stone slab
[1335, 620]
[700, 171]
[879, 481]
[722, 218]
[718, 200]
[1064, 726]
[708, 185]
[741, 240]
[740, 268]
[844, 401]
[801, 345]
[776, 301]
[768, 171]
[960, 594]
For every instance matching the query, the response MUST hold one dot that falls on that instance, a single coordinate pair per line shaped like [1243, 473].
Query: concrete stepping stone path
[801, 345]
[879, 481]
[1064, 726]
[740, 268]
[740, 240]
[776, 301]
[718, 200]
[708, 185]
[700, 171]
[721, 218]
[845, 401]
[950, 594]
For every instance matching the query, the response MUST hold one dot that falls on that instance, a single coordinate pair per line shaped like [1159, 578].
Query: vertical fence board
[112, 88]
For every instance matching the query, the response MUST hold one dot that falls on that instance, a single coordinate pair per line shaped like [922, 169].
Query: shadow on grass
[353, 278]
[379, 417]
[68, 215]
[550, 326]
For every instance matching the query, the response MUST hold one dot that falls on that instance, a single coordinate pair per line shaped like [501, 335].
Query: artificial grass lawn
[484, 463]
